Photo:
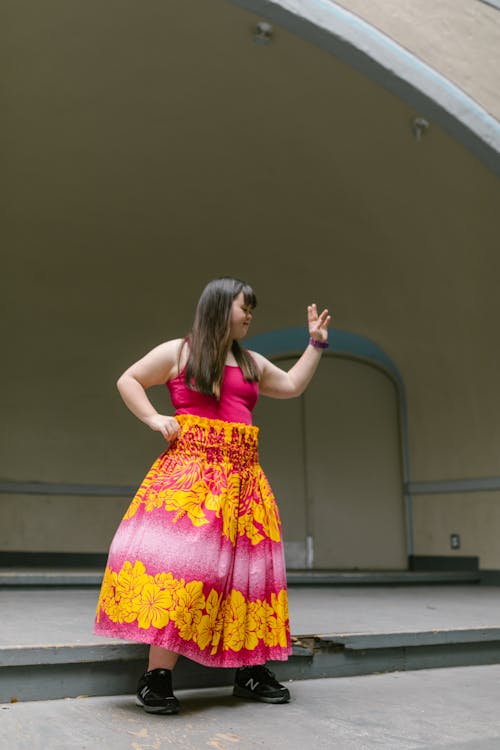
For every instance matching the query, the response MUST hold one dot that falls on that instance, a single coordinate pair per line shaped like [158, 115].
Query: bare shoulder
[158, 365]
[259, 360]
[169, 348]
[167, 351]
[173, 354]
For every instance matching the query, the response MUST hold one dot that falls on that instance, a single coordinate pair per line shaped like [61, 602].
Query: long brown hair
[209, 338]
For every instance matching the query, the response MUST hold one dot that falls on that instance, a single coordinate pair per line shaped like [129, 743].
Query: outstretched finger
[312, 312]
[323, 317]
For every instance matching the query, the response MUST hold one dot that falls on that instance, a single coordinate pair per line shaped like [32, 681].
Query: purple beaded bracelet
[318, 344]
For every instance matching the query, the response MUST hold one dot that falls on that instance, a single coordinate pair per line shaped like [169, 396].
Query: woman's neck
[230, 358]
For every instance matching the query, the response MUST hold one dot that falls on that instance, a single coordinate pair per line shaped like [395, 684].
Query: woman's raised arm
[277, 383]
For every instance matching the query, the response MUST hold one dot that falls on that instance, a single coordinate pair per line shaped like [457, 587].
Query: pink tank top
[238, 398]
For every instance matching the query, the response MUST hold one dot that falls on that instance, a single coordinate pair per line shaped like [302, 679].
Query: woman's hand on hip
[168, 426]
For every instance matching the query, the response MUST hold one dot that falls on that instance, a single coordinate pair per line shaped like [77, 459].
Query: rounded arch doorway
[334, 460]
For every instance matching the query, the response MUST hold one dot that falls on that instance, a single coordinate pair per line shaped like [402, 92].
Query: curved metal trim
[368, 50]
[492, 3]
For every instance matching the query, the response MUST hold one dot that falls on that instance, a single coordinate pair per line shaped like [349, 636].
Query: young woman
[196, 566]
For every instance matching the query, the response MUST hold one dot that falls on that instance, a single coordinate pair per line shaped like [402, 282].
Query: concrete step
[78, 576]
[47, 649]
[70, 670]
[381, 578]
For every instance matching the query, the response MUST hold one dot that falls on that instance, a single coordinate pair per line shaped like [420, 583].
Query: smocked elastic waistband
[217, 440]
[218, 425]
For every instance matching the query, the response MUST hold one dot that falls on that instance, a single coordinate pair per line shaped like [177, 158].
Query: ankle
[161, 658]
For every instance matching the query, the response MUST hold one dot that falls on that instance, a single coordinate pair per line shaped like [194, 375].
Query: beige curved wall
[458, 38]
[137, 170]
[475, 516]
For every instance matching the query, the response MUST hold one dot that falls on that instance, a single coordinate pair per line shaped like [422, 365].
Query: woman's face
[241, 316]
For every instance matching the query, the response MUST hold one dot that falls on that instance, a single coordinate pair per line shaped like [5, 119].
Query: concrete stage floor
[61, 616]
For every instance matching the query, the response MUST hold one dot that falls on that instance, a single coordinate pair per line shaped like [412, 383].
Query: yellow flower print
[189, 503]
[153, 500]
[185, 624]
[216, 478]
[251, 636]
[249, 490]
[107, 596]
[168, 582]
[209, 628]
[107, 593]
[213, 604]
[275, 620]
[225, 505]
[230, 484]
[127, 609]
[271, 632]
[205, 632]
[219, 624]
[192, 597]
[143, 490]
[246, 527]
[240, 624]
[234, 622]
[133, 507]
[260, 611]
[217, 621]
[131, 580]
[129, 584]
[112, 609]
[229, 508]
[266, 512]
[280, 606]
[185, 473]
[153, 606]
[213, 502]
[188, 614]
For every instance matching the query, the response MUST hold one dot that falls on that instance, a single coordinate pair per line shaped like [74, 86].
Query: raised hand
[318, 324]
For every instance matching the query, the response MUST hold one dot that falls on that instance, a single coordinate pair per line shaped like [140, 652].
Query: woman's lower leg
[161, 658]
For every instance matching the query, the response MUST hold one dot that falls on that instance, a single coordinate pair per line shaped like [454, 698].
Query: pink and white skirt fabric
[196, 564]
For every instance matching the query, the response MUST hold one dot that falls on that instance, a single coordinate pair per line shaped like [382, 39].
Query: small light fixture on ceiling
[263, 32]
[419, 126]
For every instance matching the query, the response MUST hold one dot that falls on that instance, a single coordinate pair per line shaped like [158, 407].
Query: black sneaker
[154, 692]
[259, 684]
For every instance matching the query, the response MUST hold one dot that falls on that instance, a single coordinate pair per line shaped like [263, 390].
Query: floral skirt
[196, 564]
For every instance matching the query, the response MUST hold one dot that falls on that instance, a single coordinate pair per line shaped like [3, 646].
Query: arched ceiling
[405, 72]
[160, 136]
[458, 38]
